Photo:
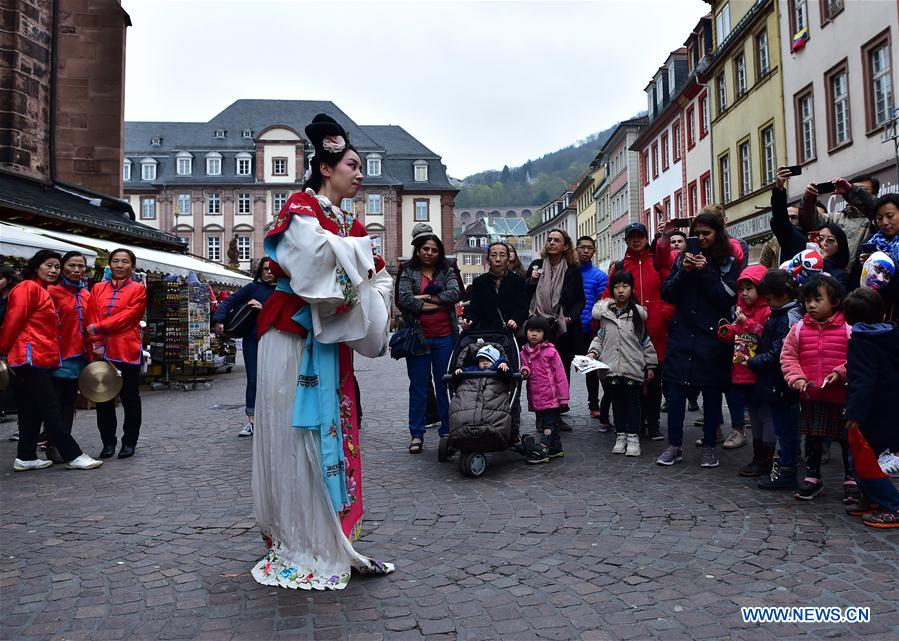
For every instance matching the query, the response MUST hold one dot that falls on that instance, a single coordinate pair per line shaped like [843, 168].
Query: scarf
[546, 301]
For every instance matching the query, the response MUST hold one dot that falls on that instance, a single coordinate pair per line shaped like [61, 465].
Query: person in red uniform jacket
[29, 341]
[73, 304]
[649, 271]
[119, 304]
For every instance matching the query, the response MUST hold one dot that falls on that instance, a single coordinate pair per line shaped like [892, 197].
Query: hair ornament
[334, 144]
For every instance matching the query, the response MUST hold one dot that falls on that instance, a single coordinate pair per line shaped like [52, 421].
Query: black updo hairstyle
[39, 258]
[320, 128]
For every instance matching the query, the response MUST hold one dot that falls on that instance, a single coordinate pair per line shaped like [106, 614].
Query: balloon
[804, 265]
[877, 271]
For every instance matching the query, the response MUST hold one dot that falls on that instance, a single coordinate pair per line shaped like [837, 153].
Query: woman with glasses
[835, 249]
[428, 293]
[254, 294]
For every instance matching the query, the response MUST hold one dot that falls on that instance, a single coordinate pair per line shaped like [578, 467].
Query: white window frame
[278, 200]
[468, 259]
[374, 205]
[840, 107]
[724, 164]
[214, 247]
[147, 169]
[279, 166]
[721, 82]
[764, 59]
[881, 84]
[769, 155]
[219, 133]
[155, 141]
[213, 164]
[472, 241]
[706, 115]
[740, 70]
[214, 203]
[126, 170]
[184, 199]
[243, 165]
[373, 165]
[745, 168]
[244, 248]
[421, 171]
[246, 133]
[148, 209]
[427, 211]
[800, 15]
[807, 126]
[722, 23]
[244, 198]
[347, 205]
[478, 259]
[184, 164]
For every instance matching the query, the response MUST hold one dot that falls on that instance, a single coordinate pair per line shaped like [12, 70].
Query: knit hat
[489, 352]
[422, 232]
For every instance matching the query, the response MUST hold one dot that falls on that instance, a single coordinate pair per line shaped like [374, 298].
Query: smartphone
[868, 248]
[825, 188]
[681, 222]
[692, 244]
[795, 170]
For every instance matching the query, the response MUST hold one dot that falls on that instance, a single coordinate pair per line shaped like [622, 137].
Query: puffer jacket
[620, 347]
[649, 271]
[746, 335]
[30, 332]
[872, 378]
[770, 385]
[595, 281]
[547, 384]
[813, 350]
[702, 298]
[480, 417]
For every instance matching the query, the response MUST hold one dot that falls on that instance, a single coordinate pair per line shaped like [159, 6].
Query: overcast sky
[480, 83]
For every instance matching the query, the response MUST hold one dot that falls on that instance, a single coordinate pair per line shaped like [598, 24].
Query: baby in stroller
[488, 358]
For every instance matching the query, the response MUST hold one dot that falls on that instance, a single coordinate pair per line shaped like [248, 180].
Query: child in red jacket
[813, 361]
[744, 333]
[548, 390]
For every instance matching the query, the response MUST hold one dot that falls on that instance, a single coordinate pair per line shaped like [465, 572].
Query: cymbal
[5, 373]
[100, 381]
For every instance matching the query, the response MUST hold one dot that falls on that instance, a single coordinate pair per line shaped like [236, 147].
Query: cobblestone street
[590, 547]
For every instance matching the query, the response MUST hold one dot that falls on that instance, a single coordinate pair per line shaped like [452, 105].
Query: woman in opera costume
[331, 299]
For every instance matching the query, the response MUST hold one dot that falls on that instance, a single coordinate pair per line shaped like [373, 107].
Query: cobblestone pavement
[591, 547]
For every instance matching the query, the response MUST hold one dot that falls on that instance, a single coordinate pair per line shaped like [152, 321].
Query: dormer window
[148, 169]
[156, 141]
[246, 133]
[421, 171]
[213, 164]
[184, 164]
[126, 170]
[244, 162]
[219, 133]
[373, 167]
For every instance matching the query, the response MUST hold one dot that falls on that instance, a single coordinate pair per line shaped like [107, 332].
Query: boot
[758, 466]
[781, 478]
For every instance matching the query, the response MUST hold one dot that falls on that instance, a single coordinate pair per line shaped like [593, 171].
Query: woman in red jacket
[119, 305]
[72, 301]
[29, 341]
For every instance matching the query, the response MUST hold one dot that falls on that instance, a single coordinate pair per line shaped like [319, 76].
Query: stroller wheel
[444, 451]
[473, 464]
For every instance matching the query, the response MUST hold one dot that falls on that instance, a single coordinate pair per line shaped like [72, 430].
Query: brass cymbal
[5, 374]
[100, 381]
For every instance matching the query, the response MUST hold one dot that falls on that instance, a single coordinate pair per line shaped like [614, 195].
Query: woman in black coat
[499, 298]
[703, 287]
[255, 294]
[559, 296]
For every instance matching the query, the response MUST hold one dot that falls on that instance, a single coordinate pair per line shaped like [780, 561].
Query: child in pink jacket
[813, 361]
[548, 391]
[752, 314]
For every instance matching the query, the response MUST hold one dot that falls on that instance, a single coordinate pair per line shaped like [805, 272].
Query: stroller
[480, 413]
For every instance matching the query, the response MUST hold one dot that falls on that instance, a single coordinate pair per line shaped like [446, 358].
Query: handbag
[239, 321]
[403, 342]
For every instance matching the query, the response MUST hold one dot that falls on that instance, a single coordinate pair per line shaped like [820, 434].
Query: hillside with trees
[536, 181]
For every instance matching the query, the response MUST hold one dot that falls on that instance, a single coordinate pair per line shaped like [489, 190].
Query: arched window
[184, 163]
[213, 164]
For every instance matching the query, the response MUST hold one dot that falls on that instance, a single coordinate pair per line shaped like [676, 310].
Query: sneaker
[552, 453]
[735, 440]
[538, 455]
[14, 436]
[37, 464]
[882, 519]
[709, 458]
[851, 493]
[247, 430]
[620, 443]
[655, 433]
[781, 478]
[605, 426]
[719, 436]
[889, 463]
[671, 455]
[809, 488]
[693, 406]
[83, 462]
[633, 445]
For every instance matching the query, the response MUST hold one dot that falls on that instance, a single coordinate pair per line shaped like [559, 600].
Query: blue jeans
[250, 349]
[677, 394]
[785, 416]
[420, 369]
